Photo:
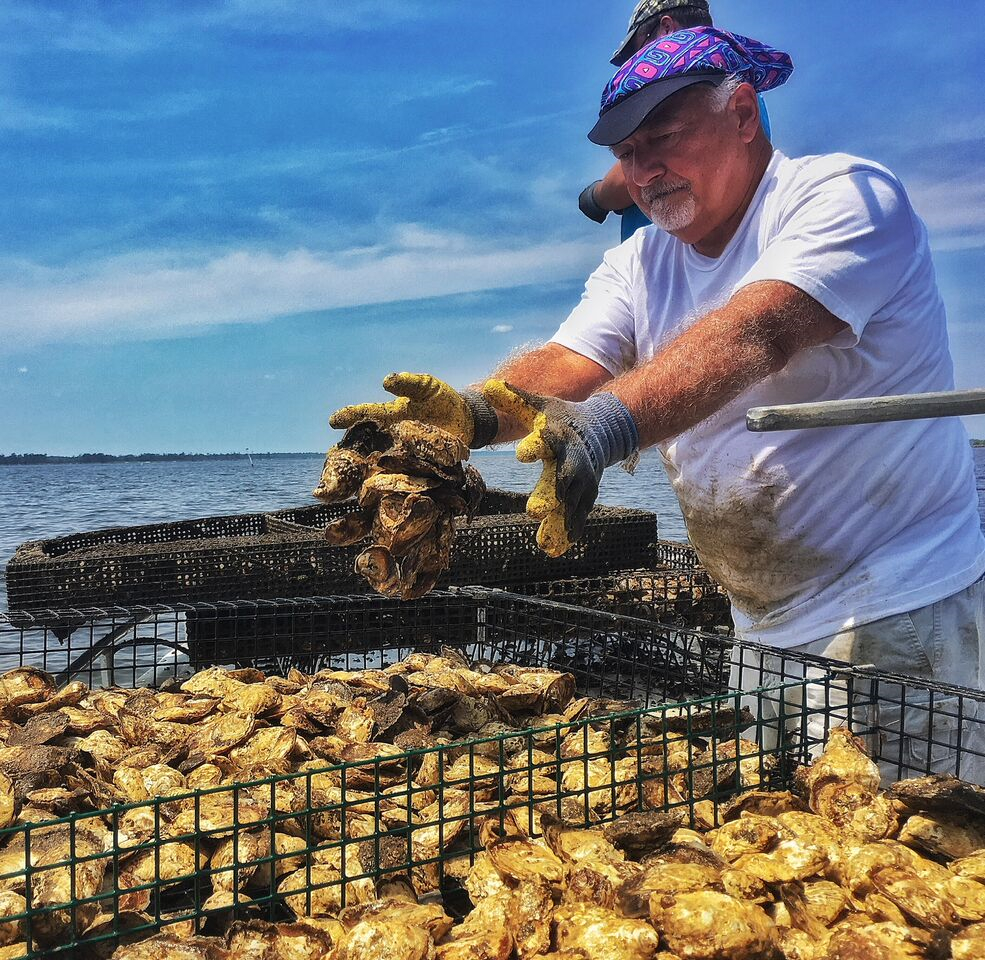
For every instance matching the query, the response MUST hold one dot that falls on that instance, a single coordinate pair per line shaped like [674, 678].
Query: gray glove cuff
[589, 206]
[612, 436]
[485, 420]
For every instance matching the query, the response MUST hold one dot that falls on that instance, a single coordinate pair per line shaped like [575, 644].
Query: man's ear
[745, 108]
[667, 25]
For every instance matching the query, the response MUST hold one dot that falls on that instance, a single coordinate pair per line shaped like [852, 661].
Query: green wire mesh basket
[680, 720]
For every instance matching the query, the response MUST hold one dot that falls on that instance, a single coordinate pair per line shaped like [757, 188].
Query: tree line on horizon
[32, 459]
[27, 459]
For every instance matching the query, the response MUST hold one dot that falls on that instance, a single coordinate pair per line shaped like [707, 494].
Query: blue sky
[224, 219]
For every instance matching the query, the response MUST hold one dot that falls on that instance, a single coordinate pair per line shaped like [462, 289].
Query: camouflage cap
[645, 10]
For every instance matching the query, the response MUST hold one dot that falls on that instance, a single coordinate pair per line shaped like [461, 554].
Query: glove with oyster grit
[576, 442]
[465, 414]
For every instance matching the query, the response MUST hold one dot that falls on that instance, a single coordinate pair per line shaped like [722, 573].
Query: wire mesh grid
[674, 555]
[334, 833]
[313, 842]
[687, 598]
[284, 554]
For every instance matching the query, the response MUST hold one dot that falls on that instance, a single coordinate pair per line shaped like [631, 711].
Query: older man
[765, 280]
[649, 20]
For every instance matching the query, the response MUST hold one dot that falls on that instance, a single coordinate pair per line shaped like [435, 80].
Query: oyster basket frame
[284, 554]
[783, 704]
[675, 555]
[687, 597]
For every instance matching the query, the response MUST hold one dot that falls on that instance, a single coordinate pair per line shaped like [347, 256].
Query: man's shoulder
[818, 168]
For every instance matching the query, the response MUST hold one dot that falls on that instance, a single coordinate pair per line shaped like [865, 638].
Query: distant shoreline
[42, 459]
[33, 459]
[36, 459]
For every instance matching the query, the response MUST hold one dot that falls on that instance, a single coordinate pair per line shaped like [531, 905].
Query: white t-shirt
[810, 531]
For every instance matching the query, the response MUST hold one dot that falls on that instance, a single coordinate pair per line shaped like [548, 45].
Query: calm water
[47, 501]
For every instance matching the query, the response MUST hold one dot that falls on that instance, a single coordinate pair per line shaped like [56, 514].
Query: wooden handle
[841, 413]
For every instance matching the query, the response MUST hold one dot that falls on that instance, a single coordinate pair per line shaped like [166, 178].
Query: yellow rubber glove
[575, 442]
[422, 397]
[543, 504]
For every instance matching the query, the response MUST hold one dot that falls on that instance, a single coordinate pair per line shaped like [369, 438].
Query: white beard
[674, 211]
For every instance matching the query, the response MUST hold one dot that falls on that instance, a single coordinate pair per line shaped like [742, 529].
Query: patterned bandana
[670, 63]
[647, 10]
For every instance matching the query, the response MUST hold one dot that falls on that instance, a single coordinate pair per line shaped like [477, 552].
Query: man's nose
[647, 167]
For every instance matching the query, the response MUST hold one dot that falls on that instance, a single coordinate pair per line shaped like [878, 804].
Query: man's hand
[422, 397]
[576, 442]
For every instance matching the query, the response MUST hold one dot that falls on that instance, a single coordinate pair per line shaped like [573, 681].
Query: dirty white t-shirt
[810, 531]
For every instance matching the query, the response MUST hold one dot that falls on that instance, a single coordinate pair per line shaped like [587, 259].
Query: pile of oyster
[836, 870]
[401, 817]
[690, 599]
[411, 481]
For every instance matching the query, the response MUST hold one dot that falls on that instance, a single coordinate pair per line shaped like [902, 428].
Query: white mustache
[654, 194]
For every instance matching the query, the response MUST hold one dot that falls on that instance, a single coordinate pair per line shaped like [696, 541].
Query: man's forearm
[720, 356]
[611, 192]
[550, 370]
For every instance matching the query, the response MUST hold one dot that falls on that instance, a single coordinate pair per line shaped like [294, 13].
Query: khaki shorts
[911, 732]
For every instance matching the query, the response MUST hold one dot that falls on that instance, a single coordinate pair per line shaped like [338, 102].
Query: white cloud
[22, 369]
[951, 199]
[161, 294]
[443, 88]
[952, 208]
[503, 328]
[16, 114]
[270, 376]
[85, 29]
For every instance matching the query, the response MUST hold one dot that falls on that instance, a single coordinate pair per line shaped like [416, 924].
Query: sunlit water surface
[37, 502]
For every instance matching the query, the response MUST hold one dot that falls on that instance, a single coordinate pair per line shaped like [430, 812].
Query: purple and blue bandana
[681, 58]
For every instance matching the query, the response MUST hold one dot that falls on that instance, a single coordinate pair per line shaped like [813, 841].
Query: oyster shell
[69, 877]
[380, 569]
[174, 947]
[260, 940]
[347, 463]
[350, 529]
[429, 443]
[944, 836]
[518, 859]
[598, 932]
[402, 520]
[714, 926]
[12, 904]
[842, 780]
[382, 936]
[411, 483]
[483, 935]
[969, 944]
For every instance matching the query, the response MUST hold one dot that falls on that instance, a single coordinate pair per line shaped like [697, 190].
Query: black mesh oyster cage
[674, 555]
[688, 597]
[315, 840]
[283, 554]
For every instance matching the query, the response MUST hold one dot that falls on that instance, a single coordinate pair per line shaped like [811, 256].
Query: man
[764, 280]
[651, 19]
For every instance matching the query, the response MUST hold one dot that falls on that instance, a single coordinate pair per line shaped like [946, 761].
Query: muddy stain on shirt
[735, 527]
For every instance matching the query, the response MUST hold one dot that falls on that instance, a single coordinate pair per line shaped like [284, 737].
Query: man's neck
[715, 242]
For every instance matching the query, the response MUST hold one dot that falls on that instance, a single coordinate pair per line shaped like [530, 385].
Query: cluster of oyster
[836, 871]
[826, 874]
[411, 481]
[76, 751]
[673, 597]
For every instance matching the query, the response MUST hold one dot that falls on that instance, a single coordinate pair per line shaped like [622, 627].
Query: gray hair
[719, 97]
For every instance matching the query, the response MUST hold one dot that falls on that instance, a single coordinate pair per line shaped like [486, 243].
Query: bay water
[37, 502]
